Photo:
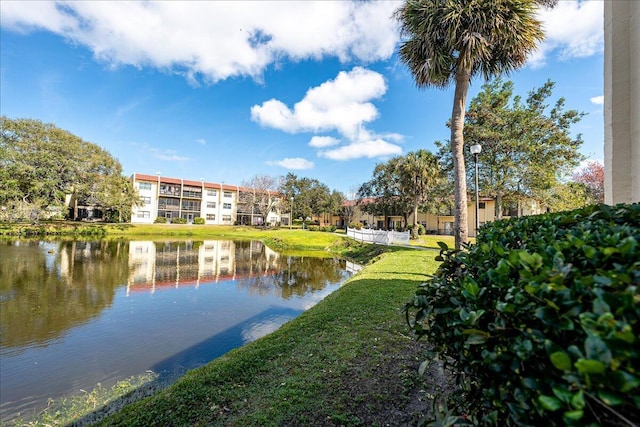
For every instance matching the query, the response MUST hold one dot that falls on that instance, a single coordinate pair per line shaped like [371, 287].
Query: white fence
[379, 237]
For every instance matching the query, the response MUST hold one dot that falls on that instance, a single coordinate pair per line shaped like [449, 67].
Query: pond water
[77, 313]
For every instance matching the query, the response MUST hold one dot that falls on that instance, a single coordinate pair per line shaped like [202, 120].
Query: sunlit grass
[89, 407]
[431, 241]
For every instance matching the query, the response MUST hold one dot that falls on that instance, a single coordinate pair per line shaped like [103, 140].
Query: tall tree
[310, 196]
[118, 198]
[420, 176]
[41, 164]
[335, 204]
[260, 196]
[381, 195]
[567, 196]
[592, 176]
[403, 184]
[527, 147]
[451, 42]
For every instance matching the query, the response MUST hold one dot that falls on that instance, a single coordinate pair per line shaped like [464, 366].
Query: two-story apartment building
[216, 203]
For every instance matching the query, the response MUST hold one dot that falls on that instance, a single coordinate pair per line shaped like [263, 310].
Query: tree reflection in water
[47, 288]
[296, 276]
[69, 318]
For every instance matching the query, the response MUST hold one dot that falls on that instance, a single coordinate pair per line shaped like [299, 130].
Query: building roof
[170, 180]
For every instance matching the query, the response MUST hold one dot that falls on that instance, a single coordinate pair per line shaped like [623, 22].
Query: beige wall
[443, 224]
[622, 101]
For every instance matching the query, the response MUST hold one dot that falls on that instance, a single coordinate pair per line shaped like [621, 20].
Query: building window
[228, 195]
[211, 204]
[481, 205]
[146, 200]
[226, 218]
[212, 192]
[211, 217]
[169, 204]
[191, 205]
[144, 186]
[143, 214]
[226, 205]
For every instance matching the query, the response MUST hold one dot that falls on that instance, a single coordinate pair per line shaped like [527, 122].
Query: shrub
[160, 220]
[420, 229]
[313, 228]
[178, 220]
[198, 220]
[539, 321]
[356, 225]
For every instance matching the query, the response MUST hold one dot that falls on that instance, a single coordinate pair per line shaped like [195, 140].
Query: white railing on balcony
[379, 237]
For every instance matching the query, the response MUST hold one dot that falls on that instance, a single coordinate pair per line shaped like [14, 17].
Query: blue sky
[228, 90]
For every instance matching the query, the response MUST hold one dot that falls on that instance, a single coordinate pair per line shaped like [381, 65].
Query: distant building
[433, 223]
[216, 203]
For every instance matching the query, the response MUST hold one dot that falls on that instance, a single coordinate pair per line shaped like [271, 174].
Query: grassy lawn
[347, 361]
[431, 241]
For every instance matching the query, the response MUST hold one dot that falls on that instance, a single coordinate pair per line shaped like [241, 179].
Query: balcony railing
[192, 194]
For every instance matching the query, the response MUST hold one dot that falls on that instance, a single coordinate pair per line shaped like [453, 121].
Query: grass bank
[347, 361]
[286, 241]
[278, 239]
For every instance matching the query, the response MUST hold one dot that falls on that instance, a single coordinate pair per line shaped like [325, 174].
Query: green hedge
[325, 228]
[178, 220]
[540, 320]
[198, 220]
[160, 220]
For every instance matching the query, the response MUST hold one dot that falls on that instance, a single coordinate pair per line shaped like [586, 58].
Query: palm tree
[451, 41]
[419, 175]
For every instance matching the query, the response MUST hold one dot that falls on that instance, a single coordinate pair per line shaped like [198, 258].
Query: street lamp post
[475, 150]
[291, 214]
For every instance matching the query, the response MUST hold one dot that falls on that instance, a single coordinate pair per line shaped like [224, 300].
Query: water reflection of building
[154, 265]
[74, 254]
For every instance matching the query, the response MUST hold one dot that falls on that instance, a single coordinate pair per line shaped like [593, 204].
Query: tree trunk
[414, 230]
[499, 204]
[460, 228]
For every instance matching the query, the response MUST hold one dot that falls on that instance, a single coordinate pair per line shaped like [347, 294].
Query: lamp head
[476, 148]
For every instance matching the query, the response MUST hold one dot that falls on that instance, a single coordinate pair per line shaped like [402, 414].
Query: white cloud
[574, 29]
[213, 40]
[201, 141]
[341, 104]
[292, 163]
[598, 100]
[170, 155]
[323, 141]
[166, 154]
[370, 149]
[258, 330]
